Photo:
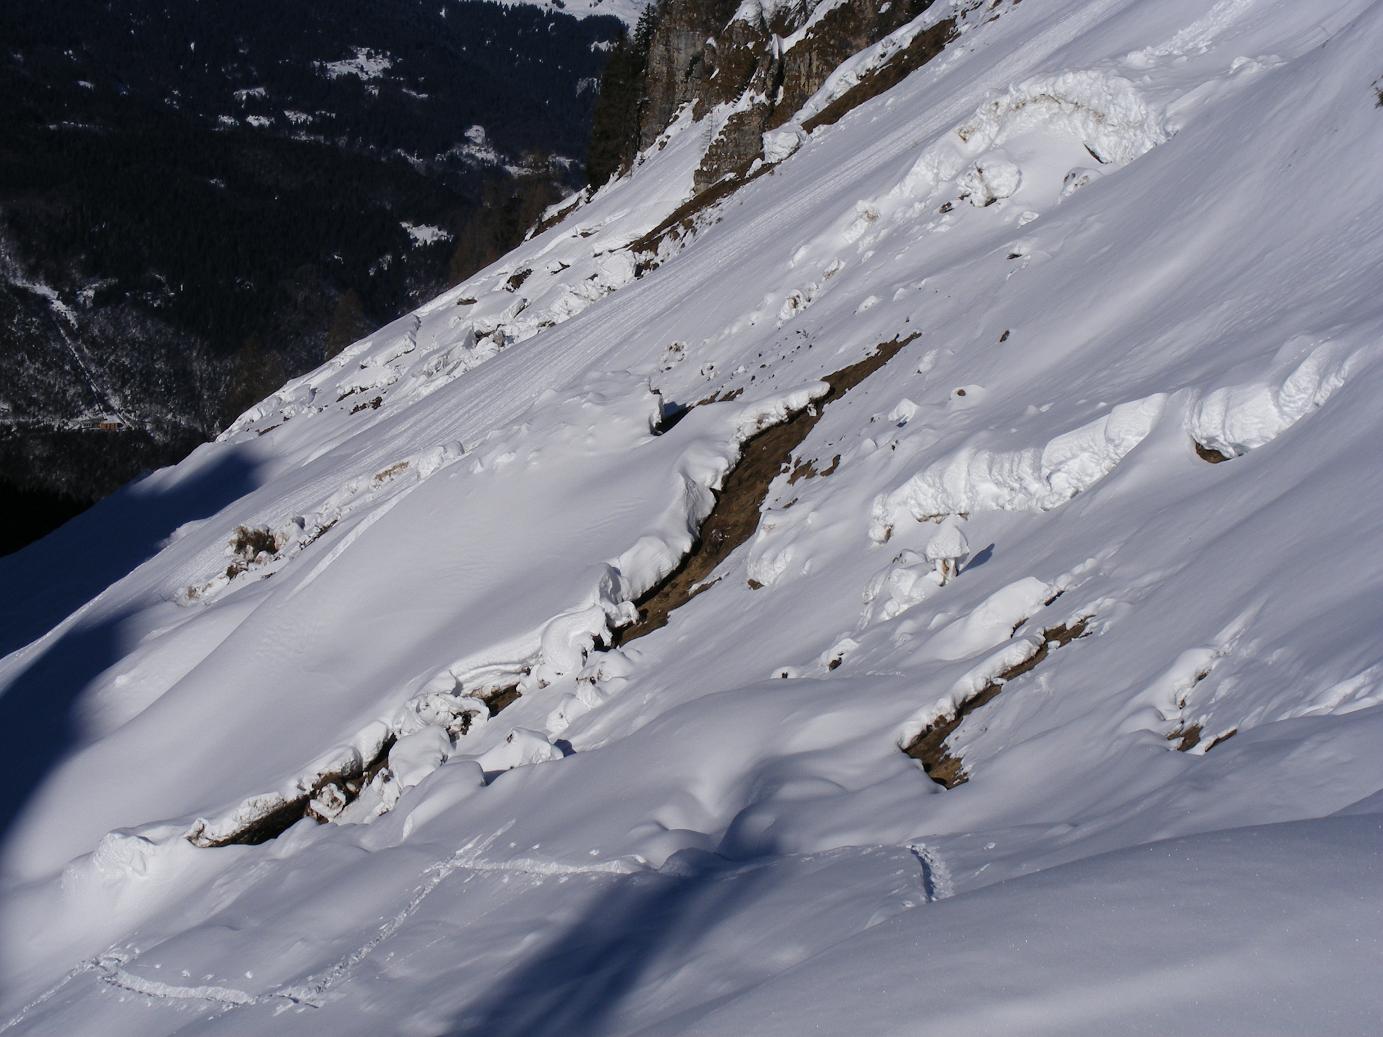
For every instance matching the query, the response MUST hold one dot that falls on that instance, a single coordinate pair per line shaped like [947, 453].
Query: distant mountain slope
[626, 10]
[899, 556]
[199, 200]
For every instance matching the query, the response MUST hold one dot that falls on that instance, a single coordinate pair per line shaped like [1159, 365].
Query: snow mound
[1101, 112]
[1235, 419]
[1104, 112]
[1028, 479]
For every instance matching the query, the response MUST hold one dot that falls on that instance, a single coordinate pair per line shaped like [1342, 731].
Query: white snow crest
[1029, 479]
[123, 853]
[1016, 652]
[1235, 419]
[762, 414]
[780, 143]
[520, 748]
[1106, 113]
[345, 759]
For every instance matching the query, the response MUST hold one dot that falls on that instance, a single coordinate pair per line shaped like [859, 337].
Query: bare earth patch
[735, 515]
[929, 747]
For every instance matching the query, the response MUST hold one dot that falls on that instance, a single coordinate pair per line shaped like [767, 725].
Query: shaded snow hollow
[1114, 240]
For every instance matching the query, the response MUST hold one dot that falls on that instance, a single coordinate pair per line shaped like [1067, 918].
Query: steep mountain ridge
[413, 577]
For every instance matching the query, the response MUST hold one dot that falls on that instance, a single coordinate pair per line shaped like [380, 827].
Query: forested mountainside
[198, 201]
[897, 553]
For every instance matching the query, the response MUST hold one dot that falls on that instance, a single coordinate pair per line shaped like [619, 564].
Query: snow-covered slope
[1092, 247]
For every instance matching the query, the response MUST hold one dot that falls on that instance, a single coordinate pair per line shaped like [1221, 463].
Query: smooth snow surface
[1118, 231]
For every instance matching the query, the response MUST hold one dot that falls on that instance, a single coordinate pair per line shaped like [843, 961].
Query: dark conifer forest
[200, 200]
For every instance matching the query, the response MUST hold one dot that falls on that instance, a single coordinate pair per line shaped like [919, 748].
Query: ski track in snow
[309, 992]
[936, 877]
[109, 968]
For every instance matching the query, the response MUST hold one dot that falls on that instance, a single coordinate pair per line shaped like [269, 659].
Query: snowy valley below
[930, 581]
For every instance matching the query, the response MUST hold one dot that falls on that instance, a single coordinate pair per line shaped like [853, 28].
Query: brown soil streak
[735, 515]
[930, 746]
[731, 522]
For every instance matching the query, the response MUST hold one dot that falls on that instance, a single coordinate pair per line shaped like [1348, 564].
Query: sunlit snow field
[1108, 232]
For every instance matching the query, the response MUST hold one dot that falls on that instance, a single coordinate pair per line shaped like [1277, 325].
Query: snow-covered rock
[948, 549]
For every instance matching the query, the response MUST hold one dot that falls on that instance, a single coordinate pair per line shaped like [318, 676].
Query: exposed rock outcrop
[683, 59]
[749, 69]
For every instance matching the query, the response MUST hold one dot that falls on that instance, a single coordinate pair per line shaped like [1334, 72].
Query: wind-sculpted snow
[979, 479]
[983, 157]
[396, 621]
[1234, 419]
[1106, 113]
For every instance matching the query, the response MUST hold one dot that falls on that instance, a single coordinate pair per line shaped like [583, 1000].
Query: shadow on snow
[579, 983]
[47, 581]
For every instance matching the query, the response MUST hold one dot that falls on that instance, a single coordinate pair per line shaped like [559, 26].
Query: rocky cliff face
[751, 68]
[682, 60]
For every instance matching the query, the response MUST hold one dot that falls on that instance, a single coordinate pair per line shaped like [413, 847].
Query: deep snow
[1121, 230]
